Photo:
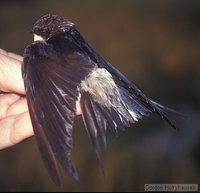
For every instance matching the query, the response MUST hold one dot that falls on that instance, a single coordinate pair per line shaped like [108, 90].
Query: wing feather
[51, 84]
[43, 145]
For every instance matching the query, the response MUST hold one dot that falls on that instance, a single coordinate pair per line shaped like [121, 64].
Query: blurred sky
[157, 45]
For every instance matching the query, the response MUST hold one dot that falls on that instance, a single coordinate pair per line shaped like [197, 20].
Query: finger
[6, 100]
[10, 75]
[15, 56]
[15, 129]
[12, 55]
[18, 107]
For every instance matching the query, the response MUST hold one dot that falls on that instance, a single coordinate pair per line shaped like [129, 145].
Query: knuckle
[18, 107]
[17, 131]
[20, 131]
[14, 139]
[5, 102]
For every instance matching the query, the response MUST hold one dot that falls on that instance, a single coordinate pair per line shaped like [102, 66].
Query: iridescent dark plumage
[61, 69]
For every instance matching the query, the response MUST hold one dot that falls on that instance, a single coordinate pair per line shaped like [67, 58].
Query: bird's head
[50, 25]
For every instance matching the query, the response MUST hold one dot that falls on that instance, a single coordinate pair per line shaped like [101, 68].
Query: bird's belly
[101, 86]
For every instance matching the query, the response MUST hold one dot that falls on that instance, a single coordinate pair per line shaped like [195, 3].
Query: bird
[62, 72]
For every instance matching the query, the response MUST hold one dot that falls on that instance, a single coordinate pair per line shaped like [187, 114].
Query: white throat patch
[38, 38]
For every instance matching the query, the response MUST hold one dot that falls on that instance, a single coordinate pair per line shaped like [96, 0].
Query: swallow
[60, 70]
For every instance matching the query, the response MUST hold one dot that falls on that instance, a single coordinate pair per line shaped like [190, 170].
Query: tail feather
[143, 106]
[124, 109]
[168, 110]
[100, 123]
[91, 126]
[98, 117]
[132, 104]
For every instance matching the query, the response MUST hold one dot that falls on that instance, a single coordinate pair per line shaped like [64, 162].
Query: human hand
[15, 123]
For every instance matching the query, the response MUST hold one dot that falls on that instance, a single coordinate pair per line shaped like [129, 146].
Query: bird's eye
[40, 31]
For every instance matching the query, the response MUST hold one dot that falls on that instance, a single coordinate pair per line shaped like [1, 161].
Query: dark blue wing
[51, 81]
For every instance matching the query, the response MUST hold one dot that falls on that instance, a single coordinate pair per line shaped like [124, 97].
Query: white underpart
[102, 87]
[100, 84]
[38, 38]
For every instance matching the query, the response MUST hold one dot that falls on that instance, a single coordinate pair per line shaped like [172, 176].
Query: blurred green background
[157, 45]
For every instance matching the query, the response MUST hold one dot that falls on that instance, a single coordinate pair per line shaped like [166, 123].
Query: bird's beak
[32, 31]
